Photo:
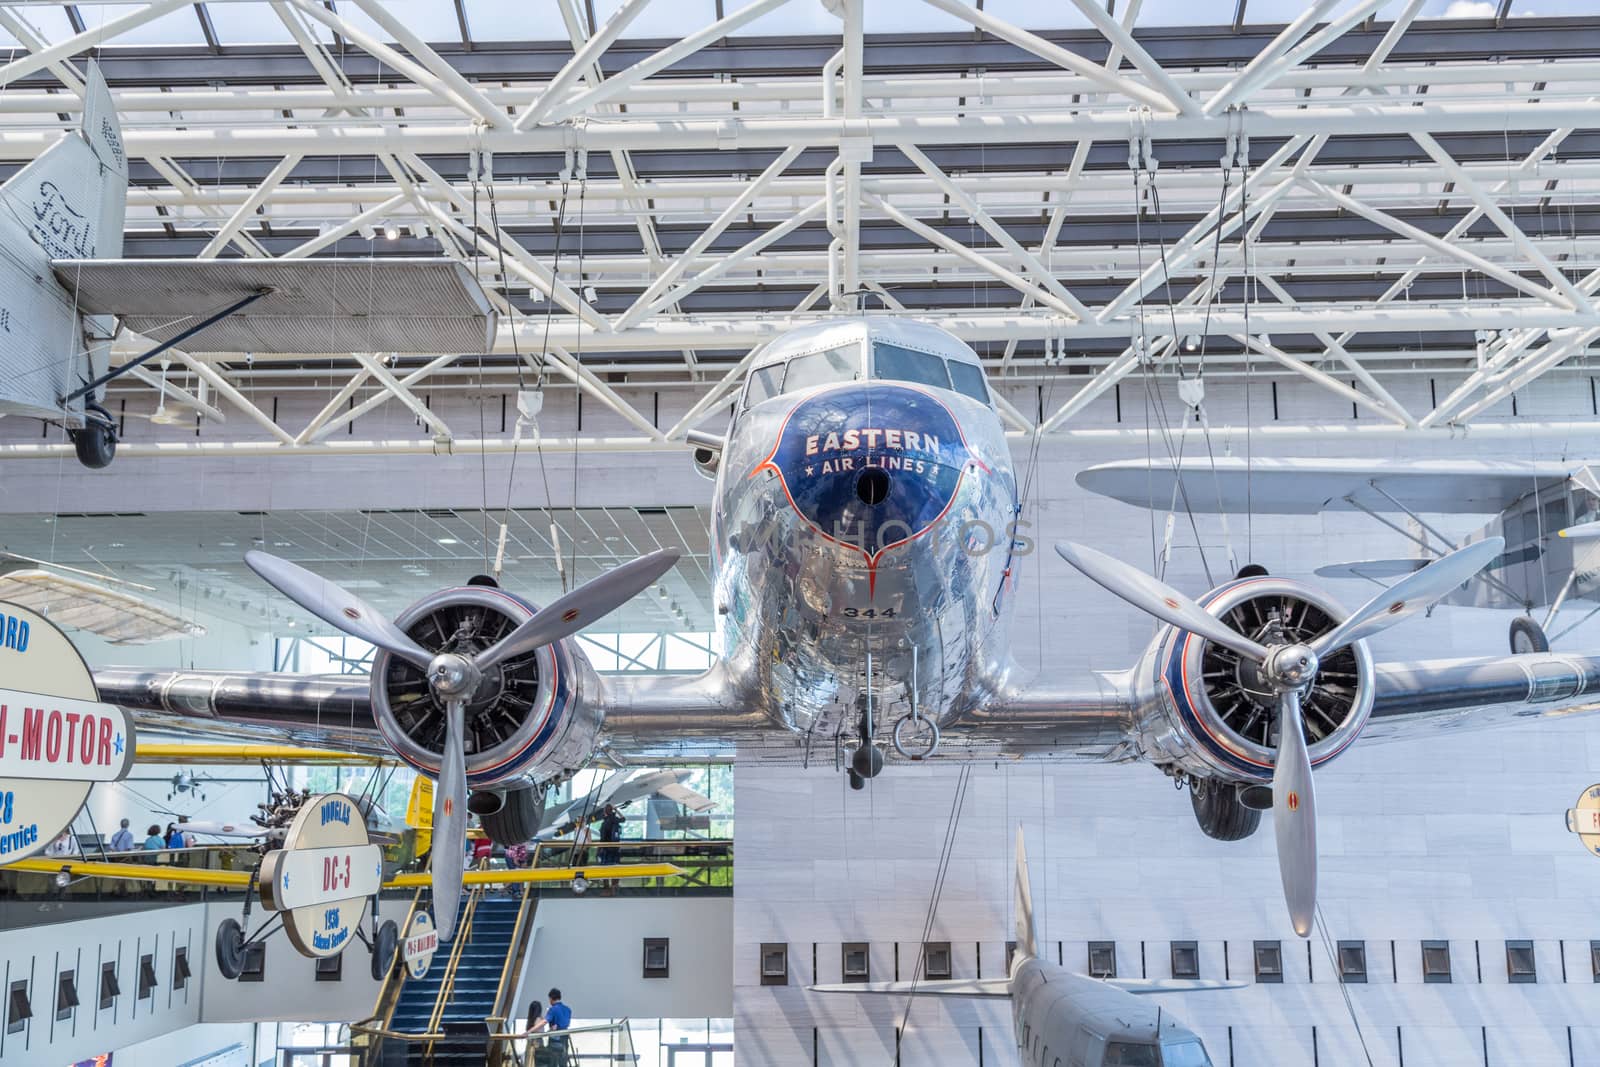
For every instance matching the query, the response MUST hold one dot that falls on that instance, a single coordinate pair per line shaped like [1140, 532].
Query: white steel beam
[242, 215]
[659, 61]
[582, 62]
[92, 37]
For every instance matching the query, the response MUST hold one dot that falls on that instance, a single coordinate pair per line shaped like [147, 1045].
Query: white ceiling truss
[1397, 195]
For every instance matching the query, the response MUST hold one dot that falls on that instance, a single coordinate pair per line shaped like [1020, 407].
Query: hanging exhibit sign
[422, 941]
[1583, 819]
[56, 738]
[323, 876]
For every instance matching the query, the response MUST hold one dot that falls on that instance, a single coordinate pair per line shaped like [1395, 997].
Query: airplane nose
[872, 487]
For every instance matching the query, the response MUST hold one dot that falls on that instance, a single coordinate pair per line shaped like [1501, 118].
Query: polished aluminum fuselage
[816, 587]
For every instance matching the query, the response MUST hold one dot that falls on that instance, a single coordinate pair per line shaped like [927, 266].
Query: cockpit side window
[908, 365]
[968, 381]
[1128, 1054]
[765, 383]
[842, 364]
[1185, 1053]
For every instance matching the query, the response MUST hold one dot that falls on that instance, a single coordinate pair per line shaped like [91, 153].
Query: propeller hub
[1291, 666]
[452, 676]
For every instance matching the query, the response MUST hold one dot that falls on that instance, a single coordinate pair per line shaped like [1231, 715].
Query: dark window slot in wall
[18, 1008]
[1520, 965]
[937, 960]
[1436, 962]
[330, 968]
[147, 975]
[775, 963]
[1353, 962]
[1269, 962]
[180, 967]
[1102, 959]
[855, 961]
[655, 957]
[110, 988]
[66, 994]
[1186, 959]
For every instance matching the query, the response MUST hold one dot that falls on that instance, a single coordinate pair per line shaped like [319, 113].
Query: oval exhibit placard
[56, 738]
[1583, 819]
[422, 941]
[323, 875]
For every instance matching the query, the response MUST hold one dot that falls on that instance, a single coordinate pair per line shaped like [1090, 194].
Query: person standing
[153, 841]
[174, 836]
[122, 840]
[611, 821]
[558, 1017]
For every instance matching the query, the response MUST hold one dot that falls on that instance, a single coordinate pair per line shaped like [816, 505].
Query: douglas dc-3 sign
[56, 738]
[323, 876]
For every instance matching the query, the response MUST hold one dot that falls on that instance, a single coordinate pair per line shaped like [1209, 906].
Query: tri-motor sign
[56, 738]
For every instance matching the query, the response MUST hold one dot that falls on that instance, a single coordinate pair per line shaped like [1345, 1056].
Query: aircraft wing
[1310, 486]
[310, 306]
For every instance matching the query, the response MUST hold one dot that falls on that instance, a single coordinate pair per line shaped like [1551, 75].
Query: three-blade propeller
[1289, 669]
[453, 677]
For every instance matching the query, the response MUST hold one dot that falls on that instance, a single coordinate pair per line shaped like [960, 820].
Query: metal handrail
[389, 993]
[447, 984]
[513, 964]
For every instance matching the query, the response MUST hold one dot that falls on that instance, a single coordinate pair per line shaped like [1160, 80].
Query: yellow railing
[447, 984]
[389, 992]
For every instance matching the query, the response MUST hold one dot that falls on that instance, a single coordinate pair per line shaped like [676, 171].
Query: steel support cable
[1344, 991]
[1153, 395]
[511, 308]
[952, 825]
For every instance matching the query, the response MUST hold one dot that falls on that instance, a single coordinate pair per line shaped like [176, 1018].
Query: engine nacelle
[1209, 714]
[532, 717]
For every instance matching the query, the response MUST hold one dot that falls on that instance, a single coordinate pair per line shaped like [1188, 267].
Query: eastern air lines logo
[870, 466]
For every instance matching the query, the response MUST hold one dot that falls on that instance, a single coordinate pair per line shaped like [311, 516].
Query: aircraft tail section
[69, 203]
[1027, 943]
[72, 199]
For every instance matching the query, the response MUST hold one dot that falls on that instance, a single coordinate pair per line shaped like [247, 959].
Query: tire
[384, 943]
[1527, 636]
[230, 949]
[518, 818]
[95, 444]
[1221, 816]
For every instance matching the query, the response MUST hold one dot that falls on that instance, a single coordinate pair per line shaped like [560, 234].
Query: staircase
[470, 999]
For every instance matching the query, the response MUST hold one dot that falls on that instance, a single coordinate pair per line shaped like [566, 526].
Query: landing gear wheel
[856, 781]
[1251, 570]
[1221, 815]
[1527, 636]
[867, 761]
[230, 949]
[518, 818]
[96, 442]
[384, 942]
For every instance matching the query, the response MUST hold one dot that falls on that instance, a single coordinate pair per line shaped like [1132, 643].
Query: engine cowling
[532, 717]
[1211, 717]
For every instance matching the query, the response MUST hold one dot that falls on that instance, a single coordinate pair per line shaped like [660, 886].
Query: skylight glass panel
[531, 20]
[1467, 9]
[241, 24]
[662, 18]
[911, 16]
[1192, 13]
[181, 26]
[1032, 15]
[432, 20]
[798, 18]
[51, 22]
[1534, 8]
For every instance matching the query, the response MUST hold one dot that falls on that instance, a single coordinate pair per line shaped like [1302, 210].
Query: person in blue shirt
[174, 836]
[558, 1017]
[153, 839]
[122, 840]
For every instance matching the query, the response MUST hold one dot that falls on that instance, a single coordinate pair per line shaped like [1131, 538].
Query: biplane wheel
[856, 781]
[96, 442]
[1527, 636]
[230, 949]
[384, 944]
[1251, 570]
[1220, 815]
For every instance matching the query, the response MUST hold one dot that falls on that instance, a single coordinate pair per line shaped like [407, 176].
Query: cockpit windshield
[924, 368]
[1128, 1054]
[841, 364]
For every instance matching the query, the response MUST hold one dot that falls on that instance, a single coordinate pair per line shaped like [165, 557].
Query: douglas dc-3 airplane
[863, 541]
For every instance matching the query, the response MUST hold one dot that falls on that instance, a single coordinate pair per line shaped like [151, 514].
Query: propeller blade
[1154, 597]
[449, 823]
[336, 606]
[1411, 595]
[1294, 815]
[571, 613]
